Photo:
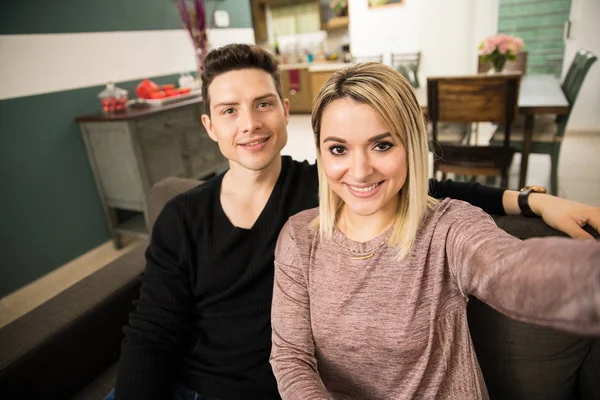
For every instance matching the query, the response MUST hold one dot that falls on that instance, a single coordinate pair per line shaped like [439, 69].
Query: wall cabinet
[300, 100]
[318, 79]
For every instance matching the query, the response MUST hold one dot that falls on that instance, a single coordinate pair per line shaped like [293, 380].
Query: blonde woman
[371, 288]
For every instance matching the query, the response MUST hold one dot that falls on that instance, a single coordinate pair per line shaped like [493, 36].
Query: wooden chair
[518, 65]
[548, 130]
[468, 99]
[408, 65]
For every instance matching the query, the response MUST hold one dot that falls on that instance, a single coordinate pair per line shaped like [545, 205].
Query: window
[295, 19]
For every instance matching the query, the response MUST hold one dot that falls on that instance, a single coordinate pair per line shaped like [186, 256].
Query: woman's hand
[565, 215]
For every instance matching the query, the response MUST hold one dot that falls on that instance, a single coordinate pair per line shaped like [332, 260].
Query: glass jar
[113, 99]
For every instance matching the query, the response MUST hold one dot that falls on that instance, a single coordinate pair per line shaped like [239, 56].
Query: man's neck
[245, 193]
[245, 182]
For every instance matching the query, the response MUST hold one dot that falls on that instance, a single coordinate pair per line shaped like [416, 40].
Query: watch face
[535, 189]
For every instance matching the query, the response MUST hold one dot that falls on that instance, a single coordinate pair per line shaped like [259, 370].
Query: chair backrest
[577, 72]
[517, 65]
[477, 98]
[407, 58]
[466, 99]
[571, 85]
[408, 65]
[374, 58]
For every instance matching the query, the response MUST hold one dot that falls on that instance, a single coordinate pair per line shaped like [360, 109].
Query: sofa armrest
[524, 228]
[60, 346]
[165, 190]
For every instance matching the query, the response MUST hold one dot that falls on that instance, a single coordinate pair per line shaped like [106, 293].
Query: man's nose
[249, 121]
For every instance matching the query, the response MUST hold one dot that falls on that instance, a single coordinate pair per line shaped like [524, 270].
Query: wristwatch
[523, 199]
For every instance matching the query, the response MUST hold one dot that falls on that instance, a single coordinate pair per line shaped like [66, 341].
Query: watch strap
[523, 201]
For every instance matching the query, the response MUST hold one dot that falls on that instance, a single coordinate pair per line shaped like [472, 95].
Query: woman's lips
[364, 191]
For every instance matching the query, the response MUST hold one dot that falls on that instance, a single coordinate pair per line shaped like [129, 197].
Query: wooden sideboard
[132, 151]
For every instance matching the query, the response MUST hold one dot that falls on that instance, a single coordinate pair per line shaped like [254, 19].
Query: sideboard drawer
[157, 125]
[163, 158]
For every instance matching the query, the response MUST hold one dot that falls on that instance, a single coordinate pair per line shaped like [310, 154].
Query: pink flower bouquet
[497, 49]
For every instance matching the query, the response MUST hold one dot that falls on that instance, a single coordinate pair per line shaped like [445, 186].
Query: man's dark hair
[235, 57]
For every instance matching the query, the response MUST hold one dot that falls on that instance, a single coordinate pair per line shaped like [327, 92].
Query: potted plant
[339, 7]
[499, 48]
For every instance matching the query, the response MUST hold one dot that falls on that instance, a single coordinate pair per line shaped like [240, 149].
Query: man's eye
[337, 150]
[264, 104]
[383, 146]
[228, 111]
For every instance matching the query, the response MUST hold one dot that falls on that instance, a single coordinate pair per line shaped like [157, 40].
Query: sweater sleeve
[151, 351]
[552, 282]
[293, 351]
[488, 198]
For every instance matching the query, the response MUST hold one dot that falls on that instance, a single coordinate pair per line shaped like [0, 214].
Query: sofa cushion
[589, 375]
[99, 387]
[524, 228]
[67, 341]
[165, 190]
[520, 361]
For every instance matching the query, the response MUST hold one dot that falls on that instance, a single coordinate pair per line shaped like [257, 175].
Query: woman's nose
[361, 167]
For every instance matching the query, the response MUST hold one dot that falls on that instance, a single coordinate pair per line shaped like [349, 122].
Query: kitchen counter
[315, 67]
[138, 112]
[287, 67]
[329, 67]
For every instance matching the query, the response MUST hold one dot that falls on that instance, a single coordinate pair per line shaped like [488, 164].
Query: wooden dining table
[538, 94]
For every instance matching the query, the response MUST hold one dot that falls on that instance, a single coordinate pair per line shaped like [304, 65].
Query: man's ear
[286, 110]
[208, 126]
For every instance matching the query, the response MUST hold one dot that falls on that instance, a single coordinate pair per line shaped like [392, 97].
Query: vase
[498, 64]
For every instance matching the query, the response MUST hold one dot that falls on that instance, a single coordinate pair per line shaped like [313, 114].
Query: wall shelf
[336, 23]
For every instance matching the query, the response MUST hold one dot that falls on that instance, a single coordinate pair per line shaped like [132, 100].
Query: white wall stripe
[37, 64]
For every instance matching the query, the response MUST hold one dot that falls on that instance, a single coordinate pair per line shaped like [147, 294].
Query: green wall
[540, 24]
[73, 16]
[51, 212]
[49, 208]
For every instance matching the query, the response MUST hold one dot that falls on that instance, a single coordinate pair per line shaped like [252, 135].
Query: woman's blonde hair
[393, 98]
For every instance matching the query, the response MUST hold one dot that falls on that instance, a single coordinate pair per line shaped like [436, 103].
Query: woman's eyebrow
[373, 139]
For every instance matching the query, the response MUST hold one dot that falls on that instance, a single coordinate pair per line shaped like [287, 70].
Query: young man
[201, 327]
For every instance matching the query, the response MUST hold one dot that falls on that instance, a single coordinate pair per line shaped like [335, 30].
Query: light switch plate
[221, 19]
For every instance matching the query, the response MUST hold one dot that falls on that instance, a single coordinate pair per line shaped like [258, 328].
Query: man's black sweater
[203, 316]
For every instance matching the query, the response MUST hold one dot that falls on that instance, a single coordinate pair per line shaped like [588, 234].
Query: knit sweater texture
[383, 328]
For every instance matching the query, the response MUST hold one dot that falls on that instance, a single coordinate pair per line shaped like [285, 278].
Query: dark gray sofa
[68, 347]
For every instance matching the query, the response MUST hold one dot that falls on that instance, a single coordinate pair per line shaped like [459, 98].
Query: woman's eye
[383, 146]
[337, 150]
